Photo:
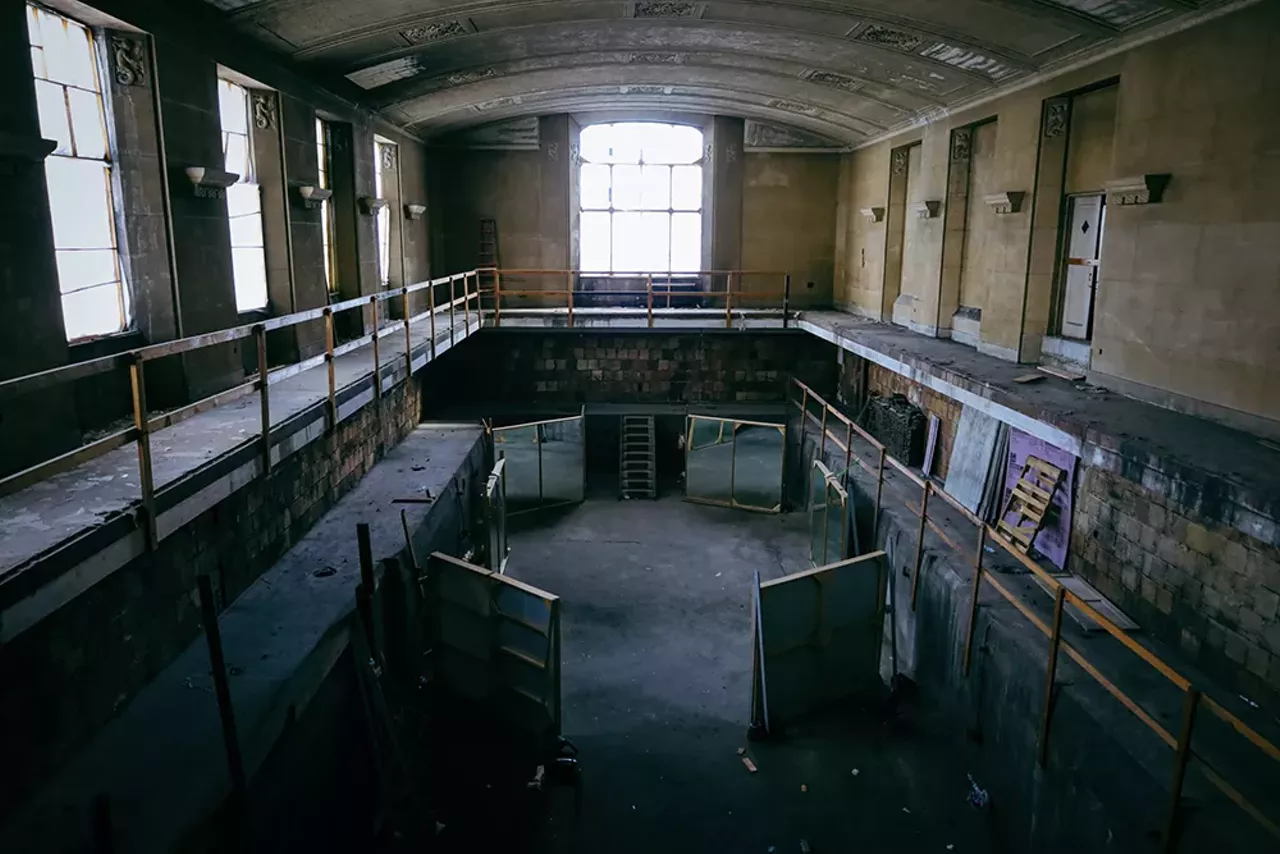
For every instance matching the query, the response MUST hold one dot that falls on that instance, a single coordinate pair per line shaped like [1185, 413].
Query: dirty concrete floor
[656, 692]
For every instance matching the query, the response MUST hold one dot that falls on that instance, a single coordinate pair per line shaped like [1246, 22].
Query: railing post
[328, 358]
[453, 313]
[377, 363]
[431, 309]
[466, 302]
[973, 601]
[497, 298]
[786, 299]
[728, 303]
[1055, 641]
[649, 289]
[822, 444]
[569, 288]
[1190, 703]
[804, 416]
[226, 710]
[260, 333]
[143, 425]
[924, 518]
[408, 342]
[848, 449]
[875, 518]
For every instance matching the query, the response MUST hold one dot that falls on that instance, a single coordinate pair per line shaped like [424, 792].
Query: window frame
[248, 179]
[125, 296]
[328, 225]
[670, 212]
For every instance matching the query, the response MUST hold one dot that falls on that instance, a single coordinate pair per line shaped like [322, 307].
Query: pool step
[637, 466]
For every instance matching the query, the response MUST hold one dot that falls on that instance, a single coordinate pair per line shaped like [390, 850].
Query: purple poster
[1052, 539]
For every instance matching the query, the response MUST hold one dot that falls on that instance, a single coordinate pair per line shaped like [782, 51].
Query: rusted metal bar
[728, 301]
[804, 414]
[924, 516]
[431, 307]
[143, 425]
[1241, 727]
[497, 298]
[973, 601]
[649, 294]
[453, 297]
[377, 362]
[569, 291]
[848, 450]
[786, 299]
[65, 462]
[822, 443]
[1051, 672]
[875, 524]
[408, 341]
[264, 395]
[1182, 754]
[328, 358]
[56, 376]
[466, 303]
[222, 690]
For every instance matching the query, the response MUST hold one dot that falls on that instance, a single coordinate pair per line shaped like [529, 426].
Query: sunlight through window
[640, 193]
[244, 199]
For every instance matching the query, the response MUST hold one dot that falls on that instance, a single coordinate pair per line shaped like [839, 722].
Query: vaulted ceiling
[849, 71]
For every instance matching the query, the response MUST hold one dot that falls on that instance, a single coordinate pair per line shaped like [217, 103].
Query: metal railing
[1193, 697]
[145, 423]
[660, 289]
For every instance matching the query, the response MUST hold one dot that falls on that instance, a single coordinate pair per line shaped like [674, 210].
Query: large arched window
[641, 198]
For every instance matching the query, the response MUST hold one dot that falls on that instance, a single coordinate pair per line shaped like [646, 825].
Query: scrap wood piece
[1029, 501]
[1028, 378]
[1061, 374]
[751, 766]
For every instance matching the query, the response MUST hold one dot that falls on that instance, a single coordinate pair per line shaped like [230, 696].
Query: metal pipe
[1191, 700]
[973, 599]
[786, 299]
[1055, 641]
[166, 203]
[264, 385]
[222, 690]
[431, 307]
[328, 359]
[924, 516]
[377, 362]
[875, 524]
[408, 341]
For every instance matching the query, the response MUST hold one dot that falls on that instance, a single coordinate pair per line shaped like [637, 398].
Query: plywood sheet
[971, 454]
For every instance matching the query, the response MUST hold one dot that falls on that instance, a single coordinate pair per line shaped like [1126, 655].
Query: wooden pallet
[1029, 502]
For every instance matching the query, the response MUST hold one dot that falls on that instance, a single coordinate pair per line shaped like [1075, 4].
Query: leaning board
[821, 634]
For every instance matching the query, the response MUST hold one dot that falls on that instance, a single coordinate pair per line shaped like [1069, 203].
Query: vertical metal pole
[260, 332]
[143, 425]
[804, 415]
[222, 690]
[973, 601]
[1055, 641]
[848, 450]
[733, 460]
[453, 294]
[497, 298]
[377, 363]
[1190, 703]
[875, 519]
[408, 342]
[328, 358]
[822, 446]
[649, 290]
[431, 307]
[924, 517]
[569, 289]
[786, 299]
[537, 439]
[728, 301]
[466, 302]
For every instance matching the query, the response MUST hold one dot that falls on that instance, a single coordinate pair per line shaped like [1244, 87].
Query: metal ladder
[637, 467]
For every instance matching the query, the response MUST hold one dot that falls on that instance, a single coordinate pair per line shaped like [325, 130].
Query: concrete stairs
[637, 465]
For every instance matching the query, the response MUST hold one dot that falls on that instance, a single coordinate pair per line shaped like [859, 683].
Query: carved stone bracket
[961, 144]
[264, 110]
[927, 209]
[1008, 202]
[1055, 117]
[128, 59]
[873, 214]
[387, 156]
[900, 159]
[1137, 190]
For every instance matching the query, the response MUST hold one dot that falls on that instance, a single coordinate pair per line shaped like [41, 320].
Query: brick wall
[73, 670]
[885, 382]
[1209, 589]
[573, 368]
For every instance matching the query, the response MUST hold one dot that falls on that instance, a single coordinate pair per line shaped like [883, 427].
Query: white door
[1084, 238]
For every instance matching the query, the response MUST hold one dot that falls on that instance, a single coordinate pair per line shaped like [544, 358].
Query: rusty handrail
[1193, 695]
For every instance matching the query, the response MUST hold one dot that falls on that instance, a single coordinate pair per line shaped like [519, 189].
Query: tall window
[384, 154]
[641, 198]
[244, 199]
[95, 299]
[326, 206]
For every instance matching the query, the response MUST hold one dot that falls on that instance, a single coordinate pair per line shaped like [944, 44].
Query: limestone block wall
[1207, 588]
[84, 662]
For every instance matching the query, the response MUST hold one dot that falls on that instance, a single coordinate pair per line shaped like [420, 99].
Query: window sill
[83, 349]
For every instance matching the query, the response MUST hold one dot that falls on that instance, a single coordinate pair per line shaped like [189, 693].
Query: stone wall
[569, 368]
[88, 659]
[1192, 582]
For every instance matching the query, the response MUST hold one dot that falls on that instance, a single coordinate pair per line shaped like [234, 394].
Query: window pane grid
[640, 194]
[95, 300]
[244, 199]
[326, 210]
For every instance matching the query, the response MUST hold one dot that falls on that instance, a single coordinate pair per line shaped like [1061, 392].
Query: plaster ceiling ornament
[388, 153]
[834, 80]
[795, 107]
[961, 144]
[1055, 118]
[264, 110]
[433, 32]
[900, 160]
[656, 58]
[644, 9]
[129, 59]
[459, 78]
[889, 37]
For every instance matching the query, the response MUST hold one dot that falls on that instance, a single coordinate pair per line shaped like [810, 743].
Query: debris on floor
[804, 787]
[741, 751]
[856, 772]
[979, 798]
[804, 846]
[751, 766]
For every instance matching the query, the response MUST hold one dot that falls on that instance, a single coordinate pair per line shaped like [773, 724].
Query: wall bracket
[1136, 190]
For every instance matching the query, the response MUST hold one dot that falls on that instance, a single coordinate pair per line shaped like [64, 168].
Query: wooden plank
[1064, 375]
[1029, 378]
[1048, 468]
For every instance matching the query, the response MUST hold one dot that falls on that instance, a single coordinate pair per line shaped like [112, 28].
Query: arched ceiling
[847, 71]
